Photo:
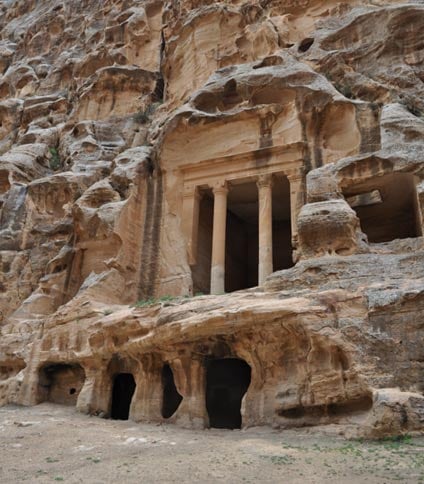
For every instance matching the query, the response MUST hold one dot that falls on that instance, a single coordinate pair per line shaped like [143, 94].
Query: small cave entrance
[387, 207]
[122, 393]
[227, 380]
[61, 383]
[171, 399]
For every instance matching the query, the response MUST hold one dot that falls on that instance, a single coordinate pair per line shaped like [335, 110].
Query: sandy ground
[51, 443]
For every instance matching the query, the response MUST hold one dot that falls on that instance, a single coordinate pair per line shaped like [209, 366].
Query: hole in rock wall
[387, 207]
[306, 44]
[230, 95]
[171, 399]
[61, 383]
[227, 381]
[159, 90]
[122, 393]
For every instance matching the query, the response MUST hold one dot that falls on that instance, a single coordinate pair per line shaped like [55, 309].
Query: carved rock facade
[212, 213]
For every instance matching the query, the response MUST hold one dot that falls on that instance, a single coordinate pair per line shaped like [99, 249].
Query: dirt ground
[51, 443]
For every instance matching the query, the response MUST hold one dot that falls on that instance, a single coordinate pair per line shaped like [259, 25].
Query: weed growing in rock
[152, 301]
[55, 159]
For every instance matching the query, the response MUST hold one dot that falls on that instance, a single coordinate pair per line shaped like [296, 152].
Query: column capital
[264, 180]
[191, 191]
[296, 175]
[220, 187]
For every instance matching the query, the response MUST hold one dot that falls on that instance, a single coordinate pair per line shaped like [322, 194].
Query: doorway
[122, 393]
[227, 381]
[171, 399]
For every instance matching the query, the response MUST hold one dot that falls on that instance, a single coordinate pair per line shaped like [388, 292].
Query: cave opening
[227, 381]
[61, 383]
[171, 399]
[387, 207]
[122, 393]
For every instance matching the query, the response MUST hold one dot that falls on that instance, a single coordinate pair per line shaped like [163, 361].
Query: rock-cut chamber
[61, 383]
[122, 393]
[227, 381]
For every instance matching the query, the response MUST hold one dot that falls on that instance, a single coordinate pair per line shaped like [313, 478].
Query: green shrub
[55, 162]
[152, 300]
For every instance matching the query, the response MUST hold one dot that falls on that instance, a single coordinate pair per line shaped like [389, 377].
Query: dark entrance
[227, 380]
[122, 393]
[387, 207]
[242, 242]
[281, 224]
[202, 270]
[171, 399]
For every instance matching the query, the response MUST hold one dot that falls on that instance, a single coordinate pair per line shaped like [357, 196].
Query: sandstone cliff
[154, 152]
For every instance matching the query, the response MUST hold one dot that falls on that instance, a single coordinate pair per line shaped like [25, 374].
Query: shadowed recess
[387, 207]
[61, 383]
[227, 380]
[122, 393]
[171, 399]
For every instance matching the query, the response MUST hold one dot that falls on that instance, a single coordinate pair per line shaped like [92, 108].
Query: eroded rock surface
[155, 152]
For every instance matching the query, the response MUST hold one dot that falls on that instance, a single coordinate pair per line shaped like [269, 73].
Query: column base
[217, 280]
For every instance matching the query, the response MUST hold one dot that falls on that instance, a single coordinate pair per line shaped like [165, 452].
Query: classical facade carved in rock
[211, 214]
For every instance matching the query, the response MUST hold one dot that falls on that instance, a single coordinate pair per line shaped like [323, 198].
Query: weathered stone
[268, 156]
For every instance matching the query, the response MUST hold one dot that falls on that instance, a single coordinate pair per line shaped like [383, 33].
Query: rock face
[212, 213]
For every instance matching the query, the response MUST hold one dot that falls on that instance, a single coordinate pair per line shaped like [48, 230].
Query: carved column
[264, 185]
[190, 221]
[218, 239]
[297, 200]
